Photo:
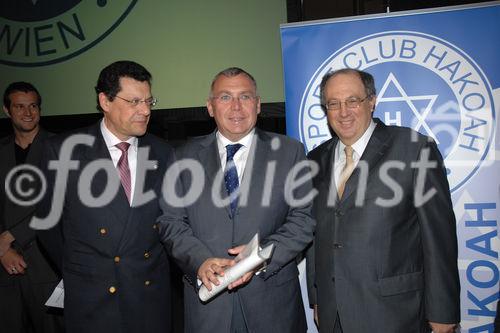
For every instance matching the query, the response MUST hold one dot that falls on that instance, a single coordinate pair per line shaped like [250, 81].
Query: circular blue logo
[424, 83]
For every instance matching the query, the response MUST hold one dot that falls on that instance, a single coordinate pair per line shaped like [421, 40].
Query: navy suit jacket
[115, 269]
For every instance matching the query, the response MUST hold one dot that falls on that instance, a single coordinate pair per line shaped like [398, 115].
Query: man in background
[384, 257]
[26, 278]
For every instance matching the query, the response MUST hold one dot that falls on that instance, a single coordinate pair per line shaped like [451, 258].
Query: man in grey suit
[209, 234]
[384, 258]
[26, 278]
[115, 270]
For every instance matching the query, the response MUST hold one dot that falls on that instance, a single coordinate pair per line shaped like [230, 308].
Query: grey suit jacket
[271, 301]
[115, 269]
[16, 218]
[384, 269]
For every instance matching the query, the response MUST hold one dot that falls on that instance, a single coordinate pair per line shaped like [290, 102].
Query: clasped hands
[213, 267]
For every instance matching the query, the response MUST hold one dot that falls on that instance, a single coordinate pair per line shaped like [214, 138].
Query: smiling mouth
[346, 123]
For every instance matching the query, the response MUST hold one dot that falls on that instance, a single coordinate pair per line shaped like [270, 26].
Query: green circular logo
[41, 32]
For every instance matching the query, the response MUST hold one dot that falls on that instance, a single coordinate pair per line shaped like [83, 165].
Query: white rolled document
[248, 259]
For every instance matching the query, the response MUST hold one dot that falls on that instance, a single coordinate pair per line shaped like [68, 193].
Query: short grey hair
[231, 72]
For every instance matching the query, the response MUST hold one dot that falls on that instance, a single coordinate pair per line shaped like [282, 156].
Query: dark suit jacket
[272, 300]
[16, 218]
[384, 269]
[115, 270]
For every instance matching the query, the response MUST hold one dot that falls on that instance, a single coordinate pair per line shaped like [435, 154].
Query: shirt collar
[360, 145]
[111, 140]
[222, 141]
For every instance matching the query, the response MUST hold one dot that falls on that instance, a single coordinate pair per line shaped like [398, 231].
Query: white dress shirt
[241, 156]
[111, 140]
[358, 147]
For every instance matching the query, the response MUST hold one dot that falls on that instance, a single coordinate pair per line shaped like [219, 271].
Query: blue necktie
[231, 176]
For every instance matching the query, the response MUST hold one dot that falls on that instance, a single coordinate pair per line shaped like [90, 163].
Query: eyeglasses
[150, 102]
[22, 107]
[227, 98]
[350, 103]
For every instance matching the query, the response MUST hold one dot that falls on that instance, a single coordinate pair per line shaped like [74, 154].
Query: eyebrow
[22, 104]
[338, 99]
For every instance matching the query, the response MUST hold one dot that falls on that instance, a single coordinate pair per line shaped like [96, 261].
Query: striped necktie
[123, 168]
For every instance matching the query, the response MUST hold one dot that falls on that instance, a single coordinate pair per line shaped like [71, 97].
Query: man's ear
[6, 111]
[373, 102]
[210, 108]
[104, 102]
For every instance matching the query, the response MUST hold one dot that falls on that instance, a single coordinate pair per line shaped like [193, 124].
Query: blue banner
[437, 72]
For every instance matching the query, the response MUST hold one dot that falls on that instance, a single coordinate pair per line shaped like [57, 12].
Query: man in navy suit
[115, 270]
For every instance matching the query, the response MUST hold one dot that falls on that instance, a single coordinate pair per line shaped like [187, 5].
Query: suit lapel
[209, 155]
[119, 206]
[152, 176]
[253, 175]
[9, 161]
[146, 165]
[326, 162]
[374, 151]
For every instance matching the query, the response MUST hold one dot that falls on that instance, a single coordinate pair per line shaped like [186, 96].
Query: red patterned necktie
[123, 168]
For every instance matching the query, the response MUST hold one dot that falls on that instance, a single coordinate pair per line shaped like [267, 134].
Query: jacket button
[337, 246]
[112, 290]
[147, 283]
[117, 259]
[103, 231]
[146, 255]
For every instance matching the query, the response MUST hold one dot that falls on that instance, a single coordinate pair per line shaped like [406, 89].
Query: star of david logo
[392, 83]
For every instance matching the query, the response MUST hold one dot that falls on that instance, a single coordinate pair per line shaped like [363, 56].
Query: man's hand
[245, 278]
[212, 267]
[6, 239]
[442, 328]
[13, 262]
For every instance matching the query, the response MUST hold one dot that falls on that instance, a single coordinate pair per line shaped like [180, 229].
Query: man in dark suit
[384, 258]
[253, 179]
[26, 278]
[115, 270]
